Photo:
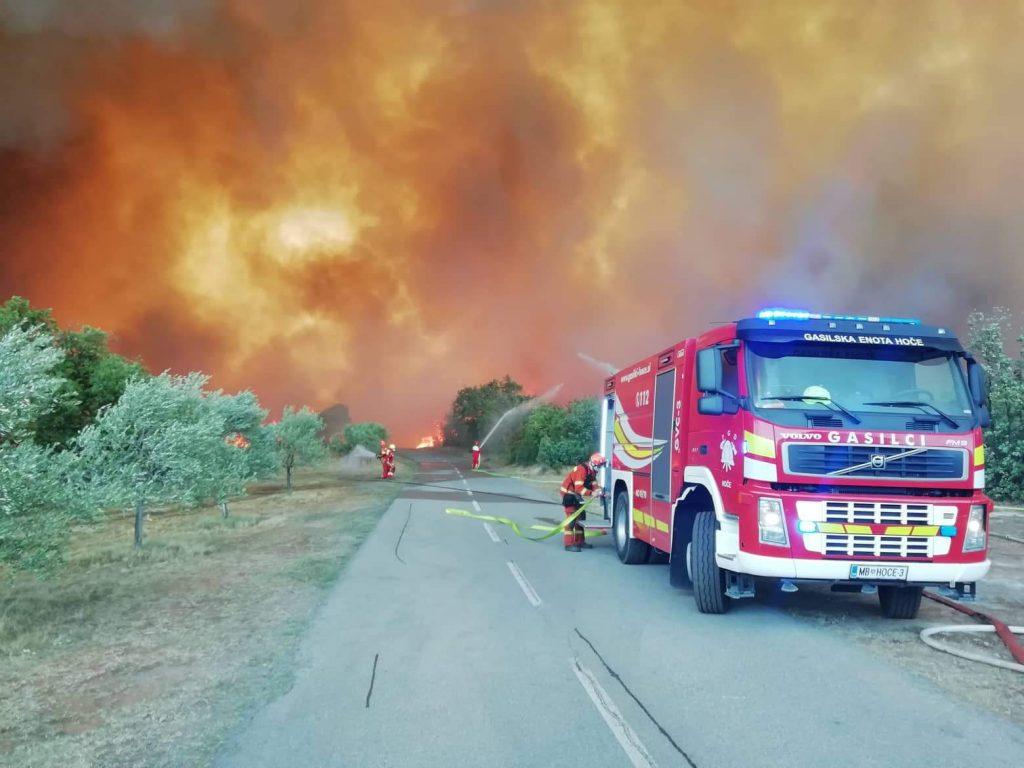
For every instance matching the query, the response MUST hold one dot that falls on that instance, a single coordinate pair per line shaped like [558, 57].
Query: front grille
[826, 460]
[922, 425]
[889, 547]
[879, 513]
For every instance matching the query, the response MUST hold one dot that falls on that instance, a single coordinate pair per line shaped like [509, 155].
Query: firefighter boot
[569, 537]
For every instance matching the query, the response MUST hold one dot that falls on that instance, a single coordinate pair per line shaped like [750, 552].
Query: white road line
[493, 534]
[528, 590]
[626, 736]
[476, 505]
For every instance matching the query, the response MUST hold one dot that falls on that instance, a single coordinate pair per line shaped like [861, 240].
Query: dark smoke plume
[377, 203]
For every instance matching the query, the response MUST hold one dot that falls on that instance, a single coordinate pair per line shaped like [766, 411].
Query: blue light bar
[803, 314]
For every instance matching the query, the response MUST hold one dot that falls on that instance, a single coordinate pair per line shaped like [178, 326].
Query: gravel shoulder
[1000, 594]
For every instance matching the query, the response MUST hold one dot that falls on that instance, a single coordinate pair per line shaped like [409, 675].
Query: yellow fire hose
[549, 530]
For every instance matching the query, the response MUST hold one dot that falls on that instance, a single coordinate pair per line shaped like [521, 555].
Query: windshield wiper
[811, 398]
[917, 404]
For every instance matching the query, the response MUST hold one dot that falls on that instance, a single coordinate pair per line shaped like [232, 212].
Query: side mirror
[709, 371]
[978, 383]
[716, 405]
[984, 417]
[711, 405]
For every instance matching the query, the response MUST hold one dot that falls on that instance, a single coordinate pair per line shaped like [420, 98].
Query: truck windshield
[799, 376]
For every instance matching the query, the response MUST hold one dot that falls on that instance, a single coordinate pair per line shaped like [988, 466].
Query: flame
[330, 201]
[426, 442]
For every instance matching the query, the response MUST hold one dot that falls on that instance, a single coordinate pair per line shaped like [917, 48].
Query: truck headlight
[771, 522]
[975, 538]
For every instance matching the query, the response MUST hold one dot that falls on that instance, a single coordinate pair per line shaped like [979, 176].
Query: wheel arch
[623, 481]
[692, 499]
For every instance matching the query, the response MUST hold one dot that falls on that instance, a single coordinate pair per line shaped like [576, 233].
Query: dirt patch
[151, 658]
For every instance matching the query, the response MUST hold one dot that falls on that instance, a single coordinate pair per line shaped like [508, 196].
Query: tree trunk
[288, 475]
[140, 510]
[224, 509]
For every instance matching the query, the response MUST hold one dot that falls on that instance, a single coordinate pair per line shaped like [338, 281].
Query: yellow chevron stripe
[632, 450]
[759, 446]
[858, 529]
[979, 456]
[889, 530]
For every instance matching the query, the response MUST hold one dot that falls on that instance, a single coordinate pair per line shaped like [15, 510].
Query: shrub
[365, 433]
[1004, 441]
[557, 437]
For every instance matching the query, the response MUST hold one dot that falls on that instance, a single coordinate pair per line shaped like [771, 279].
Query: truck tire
[900, 602]
[656, 557]
[630, 551]
[708, 579]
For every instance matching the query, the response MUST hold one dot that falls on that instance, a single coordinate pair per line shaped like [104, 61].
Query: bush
[557, 437]
[1004, 441]
[365, 433]
[524, 443]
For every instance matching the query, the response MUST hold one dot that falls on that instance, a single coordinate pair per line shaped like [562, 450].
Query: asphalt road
[451, 643]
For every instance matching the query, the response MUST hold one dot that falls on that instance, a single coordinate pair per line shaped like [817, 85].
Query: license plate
[879, 572]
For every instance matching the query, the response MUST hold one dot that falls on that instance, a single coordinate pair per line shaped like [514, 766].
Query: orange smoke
[378, 203]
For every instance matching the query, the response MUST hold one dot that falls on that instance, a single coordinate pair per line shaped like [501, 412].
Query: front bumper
[839, 570]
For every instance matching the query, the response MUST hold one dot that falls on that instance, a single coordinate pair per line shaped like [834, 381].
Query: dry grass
[149, 658]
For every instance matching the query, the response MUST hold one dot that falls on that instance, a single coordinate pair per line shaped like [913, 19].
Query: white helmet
[391, 447]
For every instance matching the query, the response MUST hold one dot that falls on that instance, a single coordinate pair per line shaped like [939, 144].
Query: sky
[379, 203]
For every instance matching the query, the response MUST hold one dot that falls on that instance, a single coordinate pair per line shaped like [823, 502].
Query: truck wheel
[656, 557]
[708, 579]
[631, 551]
[900, 602]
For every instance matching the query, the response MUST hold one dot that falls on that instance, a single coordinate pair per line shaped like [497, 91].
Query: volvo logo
[877, 461]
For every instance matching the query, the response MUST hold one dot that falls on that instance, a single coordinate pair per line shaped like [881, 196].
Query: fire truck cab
[796, 447]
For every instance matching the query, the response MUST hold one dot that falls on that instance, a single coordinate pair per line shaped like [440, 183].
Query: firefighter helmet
[391, 447]
[597, 460]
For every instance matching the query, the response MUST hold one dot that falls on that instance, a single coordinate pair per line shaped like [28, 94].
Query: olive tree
[41, 493]
[29, 388]
[297, 438]
[245, 453]
[157, 444]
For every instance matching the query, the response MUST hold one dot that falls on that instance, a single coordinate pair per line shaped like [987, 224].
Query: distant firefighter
[476, 455]
[383, 456]
[389, 462]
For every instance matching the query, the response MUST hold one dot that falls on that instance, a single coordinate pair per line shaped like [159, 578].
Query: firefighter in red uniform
[476, 455]
[580, 482]
[383, 456]
[389, 465]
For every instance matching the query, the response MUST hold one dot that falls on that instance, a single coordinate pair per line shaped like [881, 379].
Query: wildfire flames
[378, 203]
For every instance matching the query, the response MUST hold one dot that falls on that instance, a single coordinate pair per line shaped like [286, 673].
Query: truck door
[661, 466]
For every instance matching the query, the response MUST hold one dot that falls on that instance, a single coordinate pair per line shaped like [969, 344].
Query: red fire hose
[1005, 633]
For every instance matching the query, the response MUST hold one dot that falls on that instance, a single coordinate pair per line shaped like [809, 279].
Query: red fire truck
[797, 447]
